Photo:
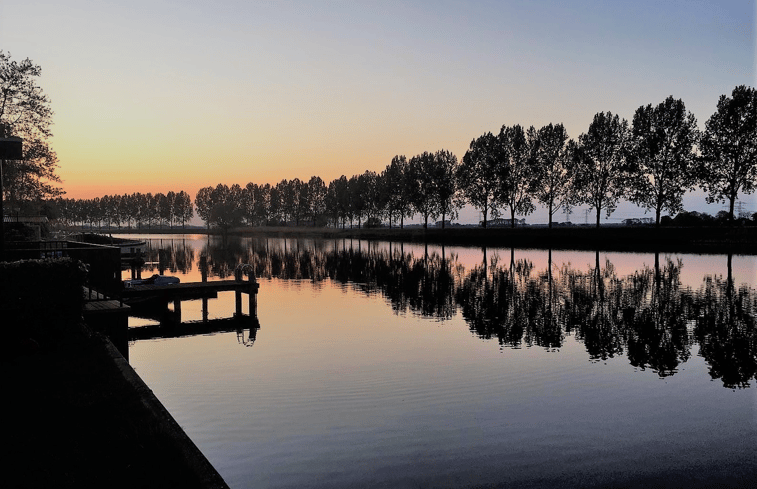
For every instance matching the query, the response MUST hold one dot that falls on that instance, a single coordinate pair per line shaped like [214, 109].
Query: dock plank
[190, 289]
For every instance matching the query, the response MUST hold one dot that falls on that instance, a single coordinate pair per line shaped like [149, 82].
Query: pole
[10, 149]
[2, 211]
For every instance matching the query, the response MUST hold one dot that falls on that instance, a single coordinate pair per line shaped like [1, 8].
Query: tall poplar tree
[729, 148]
[423, 186]
[599, 159]
[661, 156]
[514, 171]
[477, 175]
[396, 185]
[445, 178]
[552, 166]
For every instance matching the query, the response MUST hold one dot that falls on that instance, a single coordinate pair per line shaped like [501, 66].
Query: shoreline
[84, 418]
[709, 240]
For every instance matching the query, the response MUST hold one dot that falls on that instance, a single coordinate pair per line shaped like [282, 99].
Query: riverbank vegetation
[652, 161]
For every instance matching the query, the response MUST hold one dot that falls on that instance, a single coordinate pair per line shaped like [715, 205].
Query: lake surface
[391, 365]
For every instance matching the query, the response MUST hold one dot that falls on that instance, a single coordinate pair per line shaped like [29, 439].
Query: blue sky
[196, 94]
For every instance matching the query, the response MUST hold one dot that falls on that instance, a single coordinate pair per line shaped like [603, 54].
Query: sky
[153, 96]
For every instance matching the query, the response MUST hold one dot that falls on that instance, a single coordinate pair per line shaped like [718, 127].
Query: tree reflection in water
[648, 316]
[724, 319]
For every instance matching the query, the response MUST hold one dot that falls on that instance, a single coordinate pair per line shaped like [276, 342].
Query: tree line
[172, 208]
[652, 161]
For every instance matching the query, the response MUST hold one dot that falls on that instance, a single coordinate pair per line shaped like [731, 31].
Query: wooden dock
[161, 295]
[187, 291]
[193, 328]
[107, 315]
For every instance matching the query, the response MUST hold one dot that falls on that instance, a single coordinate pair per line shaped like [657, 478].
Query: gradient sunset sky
[153, 96]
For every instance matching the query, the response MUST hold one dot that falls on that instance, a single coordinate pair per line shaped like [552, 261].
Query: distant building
[638, 221]
[33, 224]
[26, 219]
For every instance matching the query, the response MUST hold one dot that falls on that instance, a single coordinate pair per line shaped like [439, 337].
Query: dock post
[238, 296]
[177, 309]
[253, 296]
[204, 267]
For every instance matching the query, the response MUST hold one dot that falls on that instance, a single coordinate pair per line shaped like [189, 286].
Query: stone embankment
[77, 415]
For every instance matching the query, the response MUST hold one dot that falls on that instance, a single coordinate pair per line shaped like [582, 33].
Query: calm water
[388, 365]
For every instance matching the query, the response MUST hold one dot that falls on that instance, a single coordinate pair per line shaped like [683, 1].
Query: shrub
[39, 297]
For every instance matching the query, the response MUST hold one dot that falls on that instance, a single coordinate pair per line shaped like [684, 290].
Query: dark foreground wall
[77, 414]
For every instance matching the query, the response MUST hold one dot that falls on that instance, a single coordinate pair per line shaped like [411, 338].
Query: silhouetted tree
[204, 204]
[661, 156]
[275, 213]
[248, 203]
[163, 207]
[446, 191]
[337, 200]
[142, 204]
[422, 169]
[477, 175]
[729, 148]
[183, 207]
[553, 168]
[225, 211]
[262, 197]
[599, 159]
[514, 172]
[292, 202]
[396, 187]
[316, 198]
[25, 112]
[357, 198]
[372, 199]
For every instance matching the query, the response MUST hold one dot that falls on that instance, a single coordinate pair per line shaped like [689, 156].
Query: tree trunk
[657, 217]
[657, 275]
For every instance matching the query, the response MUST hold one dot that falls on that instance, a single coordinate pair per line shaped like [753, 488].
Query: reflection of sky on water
[340, 392]
[695, 266]
[627, 306]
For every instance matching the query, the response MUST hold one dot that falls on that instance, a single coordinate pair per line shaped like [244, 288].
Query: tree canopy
[661, 156]
[514, 172]
[477, 175]
[552, 168]
[25, 112]
[651, 163]
[729, 148]
[599, 159]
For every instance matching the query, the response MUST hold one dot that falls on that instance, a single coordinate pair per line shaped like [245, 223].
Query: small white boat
[154, 280]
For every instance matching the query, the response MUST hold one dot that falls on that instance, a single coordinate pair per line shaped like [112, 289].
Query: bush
[39, 297]
[693, 219]
[373, 222]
